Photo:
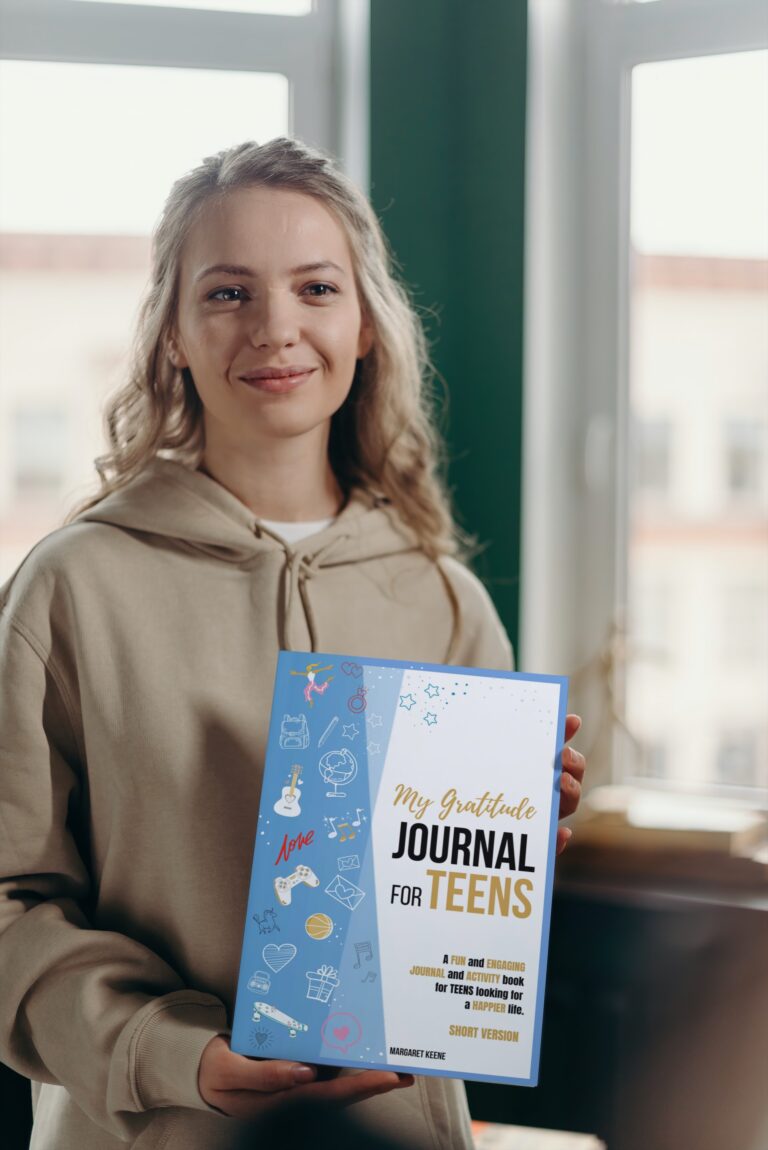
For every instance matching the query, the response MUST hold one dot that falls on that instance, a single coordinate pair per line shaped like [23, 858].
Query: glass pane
[697, 574]
[75, 220]
[273, 7]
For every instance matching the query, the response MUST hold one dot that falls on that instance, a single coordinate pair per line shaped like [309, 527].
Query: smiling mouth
[278, 386]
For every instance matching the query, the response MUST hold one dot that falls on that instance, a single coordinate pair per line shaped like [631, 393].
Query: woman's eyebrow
[240, 270]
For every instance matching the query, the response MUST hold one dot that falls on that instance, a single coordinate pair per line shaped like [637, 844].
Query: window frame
[577, 291]
[323, 52]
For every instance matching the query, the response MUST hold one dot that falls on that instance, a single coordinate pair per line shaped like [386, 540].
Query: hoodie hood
[189, 508]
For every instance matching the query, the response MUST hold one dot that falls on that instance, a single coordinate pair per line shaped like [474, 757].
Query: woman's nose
[274, 320]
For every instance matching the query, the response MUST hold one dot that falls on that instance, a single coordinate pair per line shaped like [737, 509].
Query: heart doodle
[276, 957]
[353, 669]
[340, 1032]
[260, 1037]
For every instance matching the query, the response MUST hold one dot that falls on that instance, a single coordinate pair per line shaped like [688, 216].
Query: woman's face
[267, 282]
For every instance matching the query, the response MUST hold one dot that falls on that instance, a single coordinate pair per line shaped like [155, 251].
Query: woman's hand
[244, 1088]
[574, 765]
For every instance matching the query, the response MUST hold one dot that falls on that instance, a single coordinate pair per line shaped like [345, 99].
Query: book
[399, 905]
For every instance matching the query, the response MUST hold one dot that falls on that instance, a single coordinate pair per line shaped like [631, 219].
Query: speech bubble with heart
[277, 957]
[341, 1030]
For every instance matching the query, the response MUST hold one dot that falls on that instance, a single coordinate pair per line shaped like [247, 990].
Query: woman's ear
[174, 355]
[365, 342]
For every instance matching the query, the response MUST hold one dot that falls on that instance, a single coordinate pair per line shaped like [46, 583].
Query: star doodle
[431, 691]
[430, 718]
[373, 748]
[406, 702]
[374, 720]
[349, 731]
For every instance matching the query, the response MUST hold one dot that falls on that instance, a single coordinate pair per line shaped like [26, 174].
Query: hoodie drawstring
[299, 569]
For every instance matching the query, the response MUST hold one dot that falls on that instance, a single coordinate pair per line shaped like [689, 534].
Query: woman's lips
[278, 386]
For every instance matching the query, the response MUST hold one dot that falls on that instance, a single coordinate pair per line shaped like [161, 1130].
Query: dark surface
[15, 1110]
[655, 1031]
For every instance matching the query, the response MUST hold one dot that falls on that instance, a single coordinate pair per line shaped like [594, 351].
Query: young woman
[271, 482]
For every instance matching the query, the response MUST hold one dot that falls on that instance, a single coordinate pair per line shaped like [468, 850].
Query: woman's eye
[220, 291]
[320, 291]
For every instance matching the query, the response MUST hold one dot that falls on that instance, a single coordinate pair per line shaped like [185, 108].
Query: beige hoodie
[138, 649]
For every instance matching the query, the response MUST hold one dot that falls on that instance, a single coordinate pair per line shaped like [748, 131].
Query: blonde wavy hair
[382, 438]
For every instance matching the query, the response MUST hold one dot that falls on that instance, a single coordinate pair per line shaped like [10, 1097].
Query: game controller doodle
[284, 886]
[276, 1015]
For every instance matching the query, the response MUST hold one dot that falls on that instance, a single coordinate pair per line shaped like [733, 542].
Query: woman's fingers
[572, 775]
[222, 1070]
[574, 763]
[564, 834]
[570, 794]
[572, 725]
[356, 1087]
[341, 1092]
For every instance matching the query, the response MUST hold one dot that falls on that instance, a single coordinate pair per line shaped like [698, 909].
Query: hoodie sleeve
[480, 639]
[91, 1010]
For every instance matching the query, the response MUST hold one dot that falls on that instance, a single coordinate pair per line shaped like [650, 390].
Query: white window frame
[575, 465]
[323, 54]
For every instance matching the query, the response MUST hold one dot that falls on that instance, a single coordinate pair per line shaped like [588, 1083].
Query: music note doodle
[343, 838]
[360, 814]
[370, 976]
[362, 949]
[332, 833]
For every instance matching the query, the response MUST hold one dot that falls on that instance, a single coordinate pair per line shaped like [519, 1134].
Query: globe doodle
[336, 768]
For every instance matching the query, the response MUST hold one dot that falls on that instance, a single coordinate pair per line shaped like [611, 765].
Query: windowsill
[648, 843]
[662, 877]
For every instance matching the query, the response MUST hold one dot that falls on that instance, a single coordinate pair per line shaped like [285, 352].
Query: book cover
[398, 913]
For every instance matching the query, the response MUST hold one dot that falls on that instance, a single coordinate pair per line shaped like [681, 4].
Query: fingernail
[303, 1074]
[568, 834]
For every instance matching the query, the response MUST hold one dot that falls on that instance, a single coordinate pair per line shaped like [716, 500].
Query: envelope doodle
[345, 892]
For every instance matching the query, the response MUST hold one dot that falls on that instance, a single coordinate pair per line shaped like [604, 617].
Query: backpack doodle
[294, 733]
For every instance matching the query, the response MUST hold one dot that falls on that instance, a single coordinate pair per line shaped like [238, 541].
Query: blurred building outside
[697, 676]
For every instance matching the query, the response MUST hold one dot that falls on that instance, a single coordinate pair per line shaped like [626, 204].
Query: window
[40, 441]
[653, 762]
[652, 454]
[745, 451]
[111, 132]
[275, 7]
[647, 225]
[736, 762]
[744, 628]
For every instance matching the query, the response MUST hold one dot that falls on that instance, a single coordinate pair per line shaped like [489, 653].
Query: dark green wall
[447, 181]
